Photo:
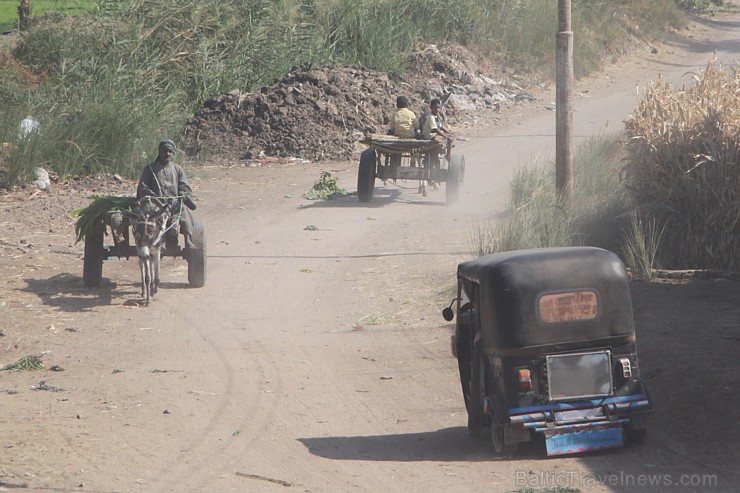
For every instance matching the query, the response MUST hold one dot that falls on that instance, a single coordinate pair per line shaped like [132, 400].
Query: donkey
[149, 219]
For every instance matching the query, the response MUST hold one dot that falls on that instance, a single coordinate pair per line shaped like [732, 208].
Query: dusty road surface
[315, 359]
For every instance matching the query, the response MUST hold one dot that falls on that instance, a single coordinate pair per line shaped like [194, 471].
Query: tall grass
[21, 158]
[110, 83]
[369, 34]
[522, 32]
[535, 218]
[641, 245]
[118, 81]
[675, 202]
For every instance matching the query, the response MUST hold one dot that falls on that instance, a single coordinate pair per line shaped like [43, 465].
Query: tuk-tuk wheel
[635, 436]
[477, 390]
[497, 437]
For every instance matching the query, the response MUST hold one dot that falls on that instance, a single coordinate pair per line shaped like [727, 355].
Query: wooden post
[24, 14]
[563, 110]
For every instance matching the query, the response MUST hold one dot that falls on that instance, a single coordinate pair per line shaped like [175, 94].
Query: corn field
[683, 168]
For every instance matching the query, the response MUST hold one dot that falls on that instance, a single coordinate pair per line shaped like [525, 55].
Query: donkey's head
[148, 220]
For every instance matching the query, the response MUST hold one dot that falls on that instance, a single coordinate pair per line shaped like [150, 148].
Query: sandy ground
[316, 359]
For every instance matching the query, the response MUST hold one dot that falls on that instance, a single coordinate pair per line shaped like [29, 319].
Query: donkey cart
[429, 161]
[116, 224]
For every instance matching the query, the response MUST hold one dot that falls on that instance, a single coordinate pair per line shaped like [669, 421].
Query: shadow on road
[68, 293]
[446, 444]
[693, 45]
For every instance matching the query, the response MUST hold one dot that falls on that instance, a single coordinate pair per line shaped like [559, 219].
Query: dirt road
[316, 358]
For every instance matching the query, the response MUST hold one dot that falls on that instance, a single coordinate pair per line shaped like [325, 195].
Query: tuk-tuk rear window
[568, 306]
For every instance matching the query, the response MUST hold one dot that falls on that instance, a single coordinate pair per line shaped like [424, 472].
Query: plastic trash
[28, 127]
[42, 180]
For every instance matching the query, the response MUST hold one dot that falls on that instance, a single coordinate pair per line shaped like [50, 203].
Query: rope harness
[178, 198]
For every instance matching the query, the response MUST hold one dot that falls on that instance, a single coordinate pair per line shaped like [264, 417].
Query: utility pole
[563, 111]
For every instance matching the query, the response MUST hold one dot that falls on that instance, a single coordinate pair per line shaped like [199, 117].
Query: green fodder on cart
[94, 213]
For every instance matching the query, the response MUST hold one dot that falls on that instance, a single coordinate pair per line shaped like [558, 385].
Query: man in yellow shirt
[404, 123]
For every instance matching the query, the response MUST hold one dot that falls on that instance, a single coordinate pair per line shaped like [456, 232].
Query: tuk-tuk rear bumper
[580, 426]
[565, 414]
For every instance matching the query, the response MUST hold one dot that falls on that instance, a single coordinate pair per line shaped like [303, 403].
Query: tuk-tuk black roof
[508, 287]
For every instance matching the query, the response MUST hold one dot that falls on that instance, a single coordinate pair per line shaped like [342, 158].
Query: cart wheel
[477, 389]
[497, 437]
[366, 175]
[455, 178]
[92, 268]
[197, 257]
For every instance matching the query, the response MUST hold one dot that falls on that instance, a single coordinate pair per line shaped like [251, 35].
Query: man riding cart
[165, 179]
[162, 180]
[411, 157]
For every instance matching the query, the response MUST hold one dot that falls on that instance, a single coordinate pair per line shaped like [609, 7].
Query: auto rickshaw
[545, 343]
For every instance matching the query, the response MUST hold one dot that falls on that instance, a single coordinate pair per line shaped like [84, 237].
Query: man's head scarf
[167, 144]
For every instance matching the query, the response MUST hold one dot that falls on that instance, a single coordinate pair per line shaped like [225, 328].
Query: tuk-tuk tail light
[525, 380]
[626, 367]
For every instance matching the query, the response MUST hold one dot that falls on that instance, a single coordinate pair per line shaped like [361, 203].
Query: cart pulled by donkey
[109, 222]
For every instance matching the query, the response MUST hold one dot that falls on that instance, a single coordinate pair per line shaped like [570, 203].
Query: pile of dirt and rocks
[321, 113]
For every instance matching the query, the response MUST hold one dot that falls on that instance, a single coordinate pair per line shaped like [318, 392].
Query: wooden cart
[97, 251]
[429, 161]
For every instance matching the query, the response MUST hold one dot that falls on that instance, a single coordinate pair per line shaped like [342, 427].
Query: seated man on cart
[432, 126]
[165, 179]
[404, 123]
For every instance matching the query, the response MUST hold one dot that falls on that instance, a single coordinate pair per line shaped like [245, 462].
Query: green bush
[20, 160]
[641, 243]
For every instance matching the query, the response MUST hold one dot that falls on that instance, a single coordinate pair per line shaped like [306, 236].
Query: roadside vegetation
[106, 85]
[105, 79]
[683, 168]
[665, 194]
[534, 217]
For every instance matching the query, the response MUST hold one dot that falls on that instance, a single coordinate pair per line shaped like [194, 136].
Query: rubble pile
[321, 113]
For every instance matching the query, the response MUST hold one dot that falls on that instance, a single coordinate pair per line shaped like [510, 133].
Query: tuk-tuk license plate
[583, 441]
